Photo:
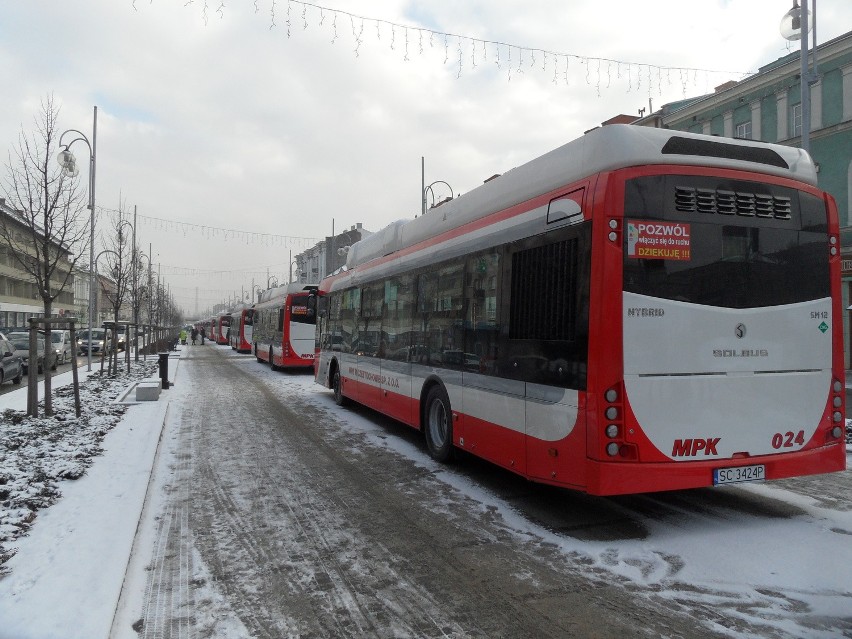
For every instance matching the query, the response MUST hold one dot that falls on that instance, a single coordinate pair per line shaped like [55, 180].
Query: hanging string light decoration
[216, 233]
[315, 15]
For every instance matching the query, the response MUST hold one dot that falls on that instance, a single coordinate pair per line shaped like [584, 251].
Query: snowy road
[279, 514]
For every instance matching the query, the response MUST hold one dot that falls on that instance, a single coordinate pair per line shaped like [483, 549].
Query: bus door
[547, 345]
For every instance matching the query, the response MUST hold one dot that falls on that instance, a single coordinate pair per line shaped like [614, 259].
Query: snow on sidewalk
[67, 575]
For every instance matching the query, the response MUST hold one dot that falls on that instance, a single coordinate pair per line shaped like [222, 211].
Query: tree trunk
[48, 359]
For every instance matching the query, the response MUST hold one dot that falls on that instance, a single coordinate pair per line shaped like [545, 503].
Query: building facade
[19, 295]
[767, 106]
[326, 256]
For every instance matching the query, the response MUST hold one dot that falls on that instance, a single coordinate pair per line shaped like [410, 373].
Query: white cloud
[231, 123]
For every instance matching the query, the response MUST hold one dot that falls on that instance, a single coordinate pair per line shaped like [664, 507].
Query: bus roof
[606, 148]
[286, 289]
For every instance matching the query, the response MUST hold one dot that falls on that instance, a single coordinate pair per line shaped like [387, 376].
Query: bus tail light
[613, 412]
[614, 235]
[628, 452]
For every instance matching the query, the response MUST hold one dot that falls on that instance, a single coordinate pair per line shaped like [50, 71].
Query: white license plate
[739, 474]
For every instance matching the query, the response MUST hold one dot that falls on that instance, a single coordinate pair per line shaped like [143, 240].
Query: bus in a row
[638, 310]
[283, 328]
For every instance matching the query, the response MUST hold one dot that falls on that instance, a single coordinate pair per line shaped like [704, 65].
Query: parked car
[61, 345]
[21, 342]
[11, 366]
[100, 341]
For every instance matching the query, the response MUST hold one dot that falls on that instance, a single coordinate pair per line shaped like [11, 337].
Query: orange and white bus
[284, 326]
[638, 310]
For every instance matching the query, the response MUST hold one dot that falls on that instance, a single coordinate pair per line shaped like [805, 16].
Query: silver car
[61, 342]
[100, 341]
[21, 342]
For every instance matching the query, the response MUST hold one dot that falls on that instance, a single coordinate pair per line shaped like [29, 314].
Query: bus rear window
[303, 309]
[764, 246]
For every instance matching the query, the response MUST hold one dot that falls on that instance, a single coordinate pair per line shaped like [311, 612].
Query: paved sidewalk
[68, 574]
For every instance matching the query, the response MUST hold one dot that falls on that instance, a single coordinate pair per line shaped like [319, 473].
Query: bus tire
[438, 425]
[337, 387]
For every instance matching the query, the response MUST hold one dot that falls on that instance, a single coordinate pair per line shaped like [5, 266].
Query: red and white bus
[242, 319]
[221, 327]
[638, 310]
[213, 328]
[285, 325]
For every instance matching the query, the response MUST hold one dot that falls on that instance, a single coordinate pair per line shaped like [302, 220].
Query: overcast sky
[211, 116]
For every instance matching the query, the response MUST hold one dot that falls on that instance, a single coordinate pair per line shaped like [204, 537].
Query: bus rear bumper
[621, 478]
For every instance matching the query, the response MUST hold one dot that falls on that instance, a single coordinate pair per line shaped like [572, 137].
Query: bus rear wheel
[438, 425]
[337, 387]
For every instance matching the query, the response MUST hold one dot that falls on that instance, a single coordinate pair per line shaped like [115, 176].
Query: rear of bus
[300, 329]
[729, 335]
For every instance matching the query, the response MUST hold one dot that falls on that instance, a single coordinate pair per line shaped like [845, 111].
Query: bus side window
[482, 280]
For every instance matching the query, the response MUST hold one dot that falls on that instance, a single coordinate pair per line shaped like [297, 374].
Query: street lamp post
[69, 164]
[270, 279]
[139, 303]
[794, 26]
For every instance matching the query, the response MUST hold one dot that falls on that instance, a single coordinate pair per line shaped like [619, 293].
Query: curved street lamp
[270, 279]
[133, 274]
[429, 190]
[343, 250]
[69, 164]
[137, 264]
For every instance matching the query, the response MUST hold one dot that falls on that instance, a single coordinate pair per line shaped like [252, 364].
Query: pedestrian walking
[193, 334]
[203, 334]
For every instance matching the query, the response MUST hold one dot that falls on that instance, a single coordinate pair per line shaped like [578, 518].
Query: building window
[796, 120]
[744, 131]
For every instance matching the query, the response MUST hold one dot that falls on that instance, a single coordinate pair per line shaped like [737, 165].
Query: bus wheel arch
[436, 421]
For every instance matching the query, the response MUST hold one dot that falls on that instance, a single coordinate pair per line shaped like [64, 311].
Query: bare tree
[118, 256]
[49, 231]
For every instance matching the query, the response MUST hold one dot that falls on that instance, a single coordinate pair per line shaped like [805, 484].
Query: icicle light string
[307, 9]
[214, 232]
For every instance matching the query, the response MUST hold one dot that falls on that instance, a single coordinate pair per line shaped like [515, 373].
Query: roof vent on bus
[707, 148]
[724, 202]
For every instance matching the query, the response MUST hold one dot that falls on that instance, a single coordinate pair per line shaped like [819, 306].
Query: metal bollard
[164, 369]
